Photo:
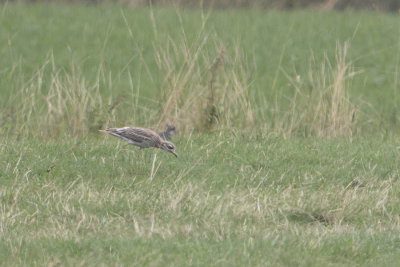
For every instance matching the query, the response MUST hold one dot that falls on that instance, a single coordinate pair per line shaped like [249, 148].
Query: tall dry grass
[321, 105]
[54, 102]
[206, 86]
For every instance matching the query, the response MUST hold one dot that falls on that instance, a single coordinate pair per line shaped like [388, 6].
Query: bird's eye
[170, 146]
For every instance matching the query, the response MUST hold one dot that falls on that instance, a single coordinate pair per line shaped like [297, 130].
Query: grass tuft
[56, 103]
[320, 106]
[205, 88]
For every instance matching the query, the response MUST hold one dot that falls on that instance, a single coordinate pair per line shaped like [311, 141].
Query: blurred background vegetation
[381, 5]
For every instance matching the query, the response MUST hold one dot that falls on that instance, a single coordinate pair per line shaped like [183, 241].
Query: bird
[142, 137]
[167, 134]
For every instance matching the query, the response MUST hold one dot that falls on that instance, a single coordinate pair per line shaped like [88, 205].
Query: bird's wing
[138, 135]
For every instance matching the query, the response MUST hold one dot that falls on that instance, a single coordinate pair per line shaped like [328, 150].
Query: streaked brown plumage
[142, 138]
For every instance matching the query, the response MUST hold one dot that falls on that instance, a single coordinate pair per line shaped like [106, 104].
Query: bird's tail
[112, 131]
[107, 131]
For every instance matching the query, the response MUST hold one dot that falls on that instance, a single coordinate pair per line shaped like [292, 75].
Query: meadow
[287, 136]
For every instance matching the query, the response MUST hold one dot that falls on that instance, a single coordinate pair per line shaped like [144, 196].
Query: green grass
[124, 41]
[248, 188]
[226, 201]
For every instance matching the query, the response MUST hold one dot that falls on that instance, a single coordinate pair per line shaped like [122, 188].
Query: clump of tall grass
[55, 103]
[205, 87]
[202, 92]
[320, 106]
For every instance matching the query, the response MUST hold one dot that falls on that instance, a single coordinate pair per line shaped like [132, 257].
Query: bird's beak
[173, 152]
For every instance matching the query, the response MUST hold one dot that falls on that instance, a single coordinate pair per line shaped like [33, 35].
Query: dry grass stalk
[203, 92]
[59, 107]
[324, 109]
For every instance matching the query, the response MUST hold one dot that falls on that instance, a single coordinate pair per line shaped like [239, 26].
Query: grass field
[225, 201]
[288, 137]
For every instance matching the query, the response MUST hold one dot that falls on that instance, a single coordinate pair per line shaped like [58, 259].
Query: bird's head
[169, 147]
